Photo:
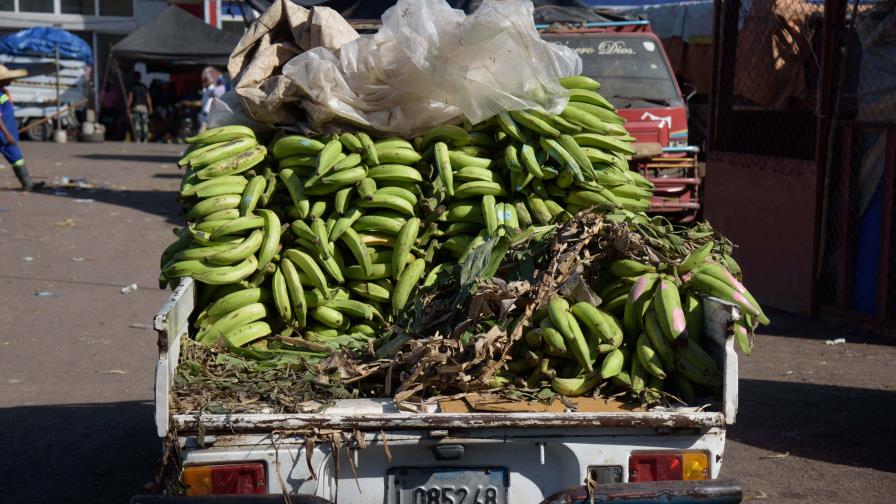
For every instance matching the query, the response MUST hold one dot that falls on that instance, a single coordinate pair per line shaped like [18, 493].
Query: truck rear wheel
[40, 132]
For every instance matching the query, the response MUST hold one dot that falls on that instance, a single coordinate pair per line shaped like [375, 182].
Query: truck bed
[172, 324]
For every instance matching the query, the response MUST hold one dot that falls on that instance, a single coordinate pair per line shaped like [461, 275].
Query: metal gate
[803, 149]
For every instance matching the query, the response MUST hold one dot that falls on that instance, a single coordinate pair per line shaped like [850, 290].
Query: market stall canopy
[43, 41]
[177, 38]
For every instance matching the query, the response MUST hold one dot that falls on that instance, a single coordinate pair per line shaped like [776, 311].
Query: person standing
[212, 87]
[112, 114]
[140, 105]
[9, 130]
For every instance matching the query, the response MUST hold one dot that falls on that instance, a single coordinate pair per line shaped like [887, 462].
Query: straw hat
[7, 74]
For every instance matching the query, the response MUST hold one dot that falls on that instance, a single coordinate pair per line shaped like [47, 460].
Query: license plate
[447, 486]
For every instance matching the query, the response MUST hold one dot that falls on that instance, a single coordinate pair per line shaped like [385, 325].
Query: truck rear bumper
[230, 499]
[704, 492]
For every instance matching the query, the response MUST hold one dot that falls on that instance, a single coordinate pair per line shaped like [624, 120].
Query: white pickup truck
[397, 457]
[35, 94]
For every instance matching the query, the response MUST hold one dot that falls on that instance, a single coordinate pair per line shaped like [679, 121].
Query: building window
[236, 9]
[85, 7]
[118, 8]
[124, 8]
[36, 6]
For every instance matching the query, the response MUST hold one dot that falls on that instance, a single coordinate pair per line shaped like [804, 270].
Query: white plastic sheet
[228, 109]
[430, 64]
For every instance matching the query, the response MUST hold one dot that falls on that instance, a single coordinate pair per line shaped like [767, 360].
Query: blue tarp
[629, 3]
[669, 18]
[42, 41]
[687, 19]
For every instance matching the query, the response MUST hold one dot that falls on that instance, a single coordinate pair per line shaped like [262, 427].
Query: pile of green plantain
[326, 243]
[646, 335]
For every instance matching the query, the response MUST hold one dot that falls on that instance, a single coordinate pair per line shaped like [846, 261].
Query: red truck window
[631, 69]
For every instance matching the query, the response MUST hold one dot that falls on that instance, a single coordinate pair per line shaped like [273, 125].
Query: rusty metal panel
[676, 185]
[465, 421]
[707, 492]
[766, 205]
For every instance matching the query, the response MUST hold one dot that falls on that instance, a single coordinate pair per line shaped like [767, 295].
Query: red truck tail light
[225, 479]
[668, 465]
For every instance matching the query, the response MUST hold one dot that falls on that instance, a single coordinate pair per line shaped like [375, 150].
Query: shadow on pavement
[137, 158]
[795, 326]
[178, 175]
[154, 202]
[840, 425]
[77, 453]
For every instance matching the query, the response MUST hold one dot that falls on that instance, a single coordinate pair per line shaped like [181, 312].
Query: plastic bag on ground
[430, 64]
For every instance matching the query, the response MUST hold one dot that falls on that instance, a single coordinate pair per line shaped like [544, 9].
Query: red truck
[635, 74]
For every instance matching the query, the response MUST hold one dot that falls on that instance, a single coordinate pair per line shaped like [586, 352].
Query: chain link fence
[761, 170]
[771, 107]
[805, 96]
[857, 264]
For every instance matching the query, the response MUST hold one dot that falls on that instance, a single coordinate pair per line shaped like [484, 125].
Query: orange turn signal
[694, 466]
[198, 480]
[225, 479]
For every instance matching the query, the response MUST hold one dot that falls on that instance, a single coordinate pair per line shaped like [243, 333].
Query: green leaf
[545, 394]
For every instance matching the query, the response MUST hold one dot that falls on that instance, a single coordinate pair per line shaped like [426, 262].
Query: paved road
[816, 422]
[76, 366]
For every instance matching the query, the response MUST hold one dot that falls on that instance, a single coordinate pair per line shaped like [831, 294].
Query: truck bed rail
[248, 423]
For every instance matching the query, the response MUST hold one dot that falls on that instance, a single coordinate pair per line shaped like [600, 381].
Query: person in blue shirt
[9, 130]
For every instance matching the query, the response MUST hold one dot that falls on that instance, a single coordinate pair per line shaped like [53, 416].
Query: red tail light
[668, 465]
[225, 479]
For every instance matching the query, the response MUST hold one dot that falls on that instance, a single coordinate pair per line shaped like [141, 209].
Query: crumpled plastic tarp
[428, 64]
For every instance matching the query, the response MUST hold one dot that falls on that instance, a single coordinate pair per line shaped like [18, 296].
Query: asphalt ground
[817, 422]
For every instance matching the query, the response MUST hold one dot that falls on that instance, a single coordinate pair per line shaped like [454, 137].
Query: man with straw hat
[9, 131]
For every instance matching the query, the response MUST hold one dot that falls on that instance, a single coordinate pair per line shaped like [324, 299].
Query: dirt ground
[817, 423]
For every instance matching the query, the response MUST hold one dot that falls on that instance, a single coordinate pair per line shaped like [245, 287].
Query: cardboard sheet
[491, 404]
